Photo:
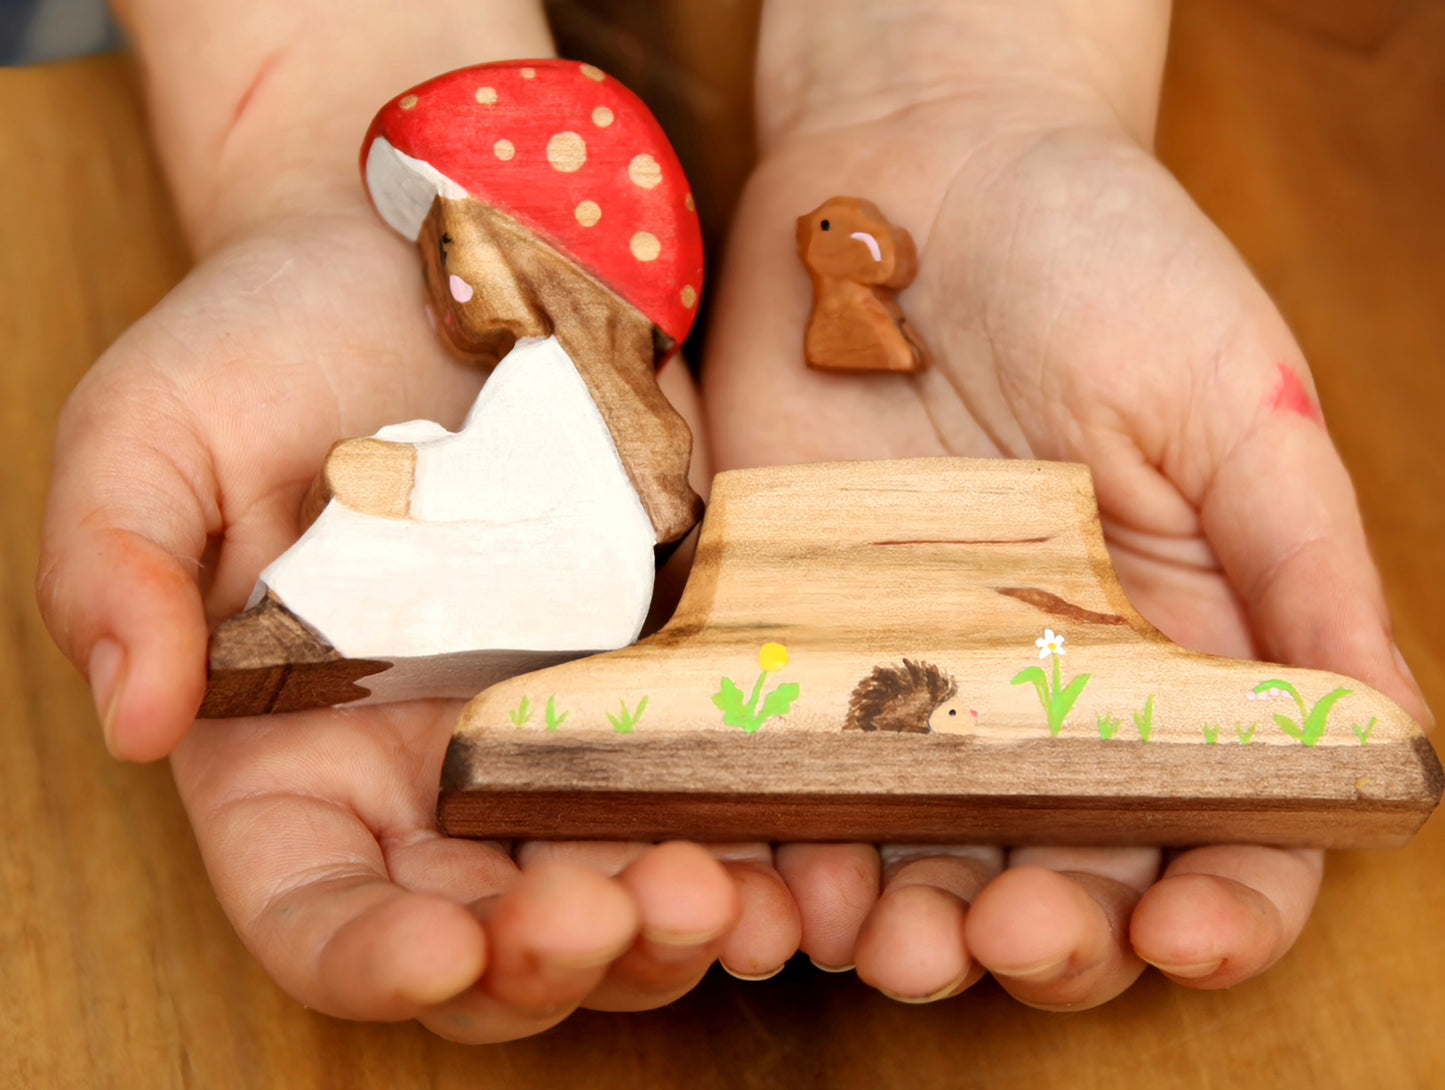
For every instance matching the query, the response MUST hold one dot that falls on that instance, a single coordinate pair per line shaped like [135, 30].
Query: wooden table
[1317, 145]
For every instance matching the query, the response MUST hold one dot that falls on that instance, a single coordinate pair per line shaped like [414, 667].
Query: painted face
[953, 717]
[847, 238]
[480, 305]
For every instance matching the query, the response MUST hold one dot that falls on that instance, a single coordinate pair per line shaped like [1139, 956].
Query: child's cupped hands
[1078, 306]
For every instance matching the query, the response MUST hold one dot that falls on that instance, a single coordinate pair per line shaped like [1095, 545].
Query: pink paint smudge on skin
[1291, 396]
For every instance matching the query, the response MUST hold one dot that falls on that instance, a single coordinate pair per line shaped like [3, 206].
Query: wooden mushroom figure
[858, 262]
[561, 248]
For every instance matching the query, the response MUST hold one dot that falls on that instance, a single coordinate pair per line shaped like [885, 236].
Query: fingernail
[831, 968]
[752, 976]
[1043, 971]
[949, 989]
[1189, 972]
[1410, 677]
[107, 661]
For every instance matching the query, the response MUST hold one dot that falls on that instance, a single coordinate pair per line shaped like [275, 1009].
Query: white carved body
[524, 533]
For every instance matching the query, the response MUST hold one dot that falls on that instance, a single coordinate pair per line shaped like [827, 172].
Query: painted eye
[952, 711]
[825, 225]
[446, 241]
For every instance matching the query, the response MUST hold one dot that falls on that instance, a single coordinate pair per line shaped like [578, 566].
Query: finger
[1221, 915]
[911, 947]
[310, 839]
[687, 903]
[552, 937]
[325, 921]
[1298, 554]
[835, 886]
[768, 929]
[126, 525]
[290, 818]
[1054, 927]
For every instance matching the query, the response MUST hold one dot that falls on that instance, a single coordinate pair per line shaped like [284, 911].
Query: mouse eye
[825, 225]
[446, 241]
[952, 711]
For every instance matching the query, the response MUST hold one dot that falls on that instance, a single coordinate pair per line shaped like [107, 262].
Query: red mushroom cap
[562, 148]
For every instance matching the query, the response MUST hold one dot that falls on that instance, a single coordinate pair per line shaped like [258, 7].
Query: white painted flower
[1050, 644]
[1252, 695]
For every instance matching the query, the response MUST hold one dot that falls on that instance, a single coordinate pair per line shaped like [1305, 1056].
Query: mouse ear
[904, 256]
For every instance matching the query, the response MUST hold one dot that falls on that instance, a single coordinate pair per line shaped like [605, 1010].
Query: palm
[289, 342]
[1077, 305]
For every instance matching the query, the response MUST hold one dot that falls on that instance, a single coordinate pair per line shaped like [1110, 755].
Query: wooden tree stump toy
[935, 650]
[561, 247]
[858, 262]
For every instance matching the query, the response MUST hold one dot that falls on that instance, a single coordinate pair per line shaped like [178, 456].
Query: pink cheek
[461, 290]
[973, 713]
[450, 319]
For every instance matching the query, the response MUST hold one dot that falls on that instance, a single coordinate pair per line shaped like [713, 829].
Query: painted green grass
[1144, 721]
[1211, 734]
[1363, 733]
[1108, 726]
[1246, 735]
[553, 719]
[521, 713]
[626, 721]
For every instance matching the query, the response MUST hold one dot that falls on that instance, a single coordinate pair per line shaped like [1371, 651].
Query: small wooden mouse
[858, 262]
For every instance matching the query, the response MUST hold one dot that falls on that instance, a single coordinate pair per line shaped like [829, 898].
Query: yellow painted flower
[773, 657]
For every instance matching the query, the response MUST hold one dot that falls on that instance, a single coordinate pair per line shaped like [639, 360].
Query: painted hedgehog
[914, 698]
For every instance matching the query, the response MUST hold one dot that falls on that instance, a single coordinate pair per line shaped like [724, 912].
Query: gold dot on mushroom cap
[588, 213]
[408, 102]
[593, 72]
[644, 171]
[645, 246]
[504, 150]
[487, 96]
[529, 73]
[602, 117]
[566, 151]
[689, 296]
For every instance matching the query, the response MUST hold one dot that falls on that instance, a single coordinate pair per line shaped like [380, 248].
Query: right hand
[181, 461]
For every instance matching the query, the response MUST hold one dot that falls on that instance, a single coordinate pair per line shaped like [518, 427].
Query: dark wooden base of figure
[267, 660]
[934, 650]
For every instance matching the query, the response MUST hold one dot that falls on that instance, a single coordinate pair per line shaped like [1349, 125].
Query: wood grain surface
[1316, 144]
[847, 622]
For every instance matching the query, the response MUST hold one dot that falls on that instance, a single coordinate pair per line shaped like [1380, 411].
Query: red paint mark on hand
[1292, 397]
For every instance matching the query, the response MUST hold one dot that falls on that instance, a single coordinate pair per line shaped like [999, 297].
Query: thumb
[118, 586]
[1282, 517]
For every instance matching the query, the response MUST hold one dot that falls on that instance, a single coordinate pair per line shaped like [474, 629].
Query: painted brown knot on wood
[900, 698]
[858, 262]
